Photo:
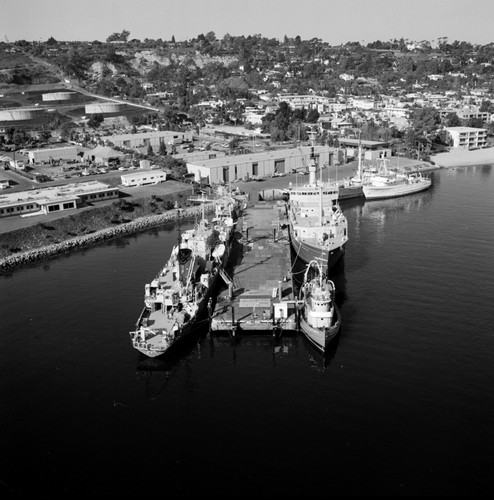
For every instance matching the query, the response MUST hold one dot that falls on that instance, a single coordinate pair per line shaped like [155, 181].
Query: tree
[234, 143]
[66, 129]
[452, 120]
[119, 37]
[162, 150]
[19, 137]
[486, 106]
[283, 117]
[95, 120]
[75, 63]
[312, 116]
[150, 151]
[426, 120]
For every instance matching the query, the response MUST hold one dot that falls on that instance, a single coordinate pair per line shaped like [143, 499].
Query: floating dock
[260, 293]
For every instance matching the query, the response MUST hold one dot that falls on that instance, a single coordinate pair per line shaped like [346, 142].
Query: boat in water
[385, 183]
[319, 315]
[318, 228]
[181, 294]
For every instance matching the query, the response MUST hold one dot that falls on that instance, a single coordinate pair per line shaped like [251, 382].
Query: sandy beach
[461, 157]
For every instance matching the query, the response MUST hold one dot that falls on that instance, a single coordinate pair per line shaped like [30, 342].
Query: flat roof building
[143, 178]
[56, 198]
[467, 137]
[145, 139]
[47, 155]
[258, 165]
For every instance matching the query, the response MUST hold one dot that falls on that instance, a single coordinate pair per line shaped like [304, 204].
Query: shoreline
[464, 158]
[79, 242]
[457, 158]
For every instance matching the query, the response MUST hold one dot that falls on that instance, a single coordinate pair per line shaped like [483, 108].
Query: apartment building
[467, 137]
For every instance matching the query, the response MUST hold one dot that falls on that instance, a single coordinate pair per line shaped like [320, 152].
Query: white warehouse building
[145, 139]
[55, 154]
[257, 165]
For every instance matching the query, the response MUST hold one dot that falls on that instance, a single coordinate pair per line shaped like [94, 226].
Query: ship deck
[260, 293]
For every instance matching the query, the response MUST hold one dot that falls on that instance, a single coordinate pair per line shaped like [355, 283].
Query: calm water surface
[403, 404]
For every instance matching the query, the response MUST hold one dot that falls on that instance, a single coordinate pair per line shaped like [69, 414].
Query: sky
[333, 21]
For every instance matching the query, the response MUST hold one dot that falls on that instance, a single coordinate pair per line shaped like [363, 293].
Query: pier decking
[260, 294]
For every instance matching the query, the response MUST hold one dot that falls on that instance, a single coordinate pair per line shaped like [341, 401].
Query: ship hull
[159, 331]
[305, 253]
[350, 192]
[383, 192]
[156, 344]
[321, 337]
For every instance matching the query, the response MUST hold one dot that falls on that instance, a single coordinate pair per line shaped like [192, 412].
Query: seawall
[19, 259]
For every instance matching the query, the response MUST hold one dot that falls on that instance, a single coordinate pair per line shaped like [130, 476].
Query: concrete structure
[55, 154]
[260, 295]
[467, 137]
[145, 139]
[142, 178]
[57, 198]
[257, 165]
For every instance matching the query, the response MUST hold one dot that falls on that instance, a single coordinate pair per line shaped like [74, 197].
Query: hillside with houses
[416, 96]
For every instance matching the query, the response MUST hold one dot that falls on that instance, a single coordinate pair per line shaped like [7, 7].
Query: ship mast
[312, 175]
[179, 238]
[359, 159]
[312, 162]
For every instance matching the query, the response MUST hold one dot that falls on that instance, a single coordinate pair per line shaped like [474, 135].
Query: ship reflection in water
[382, 211]
[159, 371]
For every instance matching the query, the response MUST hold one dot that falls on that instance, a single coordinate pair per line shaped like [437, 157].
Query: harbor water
[402, 404]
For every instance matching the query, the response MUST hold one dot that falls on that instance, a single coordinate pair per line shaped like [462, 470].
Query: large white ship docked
[318, 227]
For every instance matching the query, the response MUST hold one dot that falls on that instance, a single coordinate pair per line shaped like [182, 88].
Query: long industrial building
[257, 165]
[145, 139]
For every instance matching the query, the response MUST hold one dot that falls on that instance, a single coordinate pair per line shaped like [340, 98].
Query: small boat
[181, 295]
[319, 316]
[384, 183]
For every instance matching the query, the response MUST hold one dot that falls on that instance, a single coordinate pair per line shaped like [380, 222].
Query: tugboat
[319, 316]
[181, 294]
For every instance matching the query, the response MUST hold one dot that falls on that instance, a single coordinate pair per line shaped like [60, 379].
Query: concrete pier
[259, 294]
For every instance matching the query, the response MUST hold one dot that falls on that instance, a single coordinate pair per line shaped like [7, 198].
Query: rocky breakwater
[22, 258]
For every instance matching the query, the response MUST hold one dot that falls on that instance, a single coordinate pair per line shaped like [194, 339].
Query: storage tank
[58, 96]
[18, 114]
[106, 107]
